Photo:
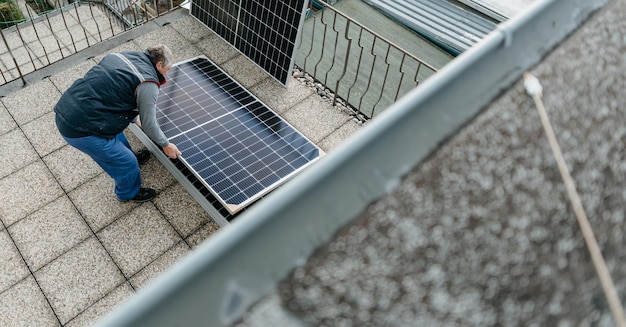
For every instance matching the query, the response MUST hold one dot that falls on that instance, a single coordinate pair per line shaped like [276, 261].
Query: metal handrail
[333, 42]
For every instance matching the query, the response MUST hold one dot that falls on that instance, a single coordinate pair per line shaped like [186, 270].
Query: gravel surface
[483, 234]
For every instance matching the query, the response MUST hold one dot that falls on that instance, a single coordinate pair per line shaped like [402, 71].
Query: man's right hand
[171, 151]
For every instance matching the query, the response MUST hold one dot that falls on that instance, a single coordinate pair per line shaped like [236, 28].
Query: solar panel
[236, 146]
[266, 31]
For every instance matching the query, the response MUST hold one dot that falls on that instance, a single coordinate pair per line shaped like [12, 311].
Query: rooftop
[70, 250]
[478, 232]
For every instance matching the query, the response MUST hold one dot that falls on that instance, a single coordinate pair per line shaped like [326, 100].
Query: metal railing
[42, 37]
[354, 65]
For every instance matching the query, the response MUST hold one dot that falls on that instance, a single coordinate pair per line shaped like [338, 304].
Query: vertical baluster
[81, 24]
[325, 81]
[395, 98]
[358, 66]
[19, 71]
[345, 64]
[62, 12]
[30, 17]
[382, 88]
[47, 16]
[95, 21]
[323, 44]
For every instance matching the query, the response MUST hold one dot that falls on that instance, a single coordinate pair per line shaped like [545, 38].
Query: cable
[534, 89]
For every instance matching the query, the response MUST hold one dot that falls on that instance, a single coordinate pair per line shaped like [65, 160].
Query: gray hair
[161, 53]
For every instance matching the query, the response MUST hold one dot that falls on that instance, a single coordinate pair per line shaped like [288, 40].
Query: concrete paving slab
[278, 97]
[9, 72]
[126, 46]
[45, 47]
[68, 50]
[78, 279]
[155, 175]
[71, 167]
[19, 57]
[181, 210]
[104, 27]
[23, 305]
[6, 121]
[97, 203]
[202, 233]
[161, 264]
[98, 31]
[81, 42]
[105, 32]
[25, 107]
[28, 189]
[339, 136]
[314, 119]
[186, 53]
[55, 53]
[217, 49]
[128, 243]
[165, 35]
[38, 54]
[191, 29]
[30, 32]
[80, 14]
[26, 69]
[65, 41]
[33, 32]
[13, 268]
[66, 78]
[24, 59]
[49, 232]
[102, 307]
[42, 133]
[13, 39]
[19, 152]
[134, 142]
[62, 36]
[244, 71]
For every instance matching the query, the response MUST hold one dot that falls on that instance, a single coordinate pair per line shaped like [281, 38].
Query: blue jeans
[117, 159]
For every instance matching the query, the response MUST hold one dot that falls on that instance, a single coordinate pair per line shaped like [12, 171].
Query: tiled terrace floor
[53, 36]
[70, 251]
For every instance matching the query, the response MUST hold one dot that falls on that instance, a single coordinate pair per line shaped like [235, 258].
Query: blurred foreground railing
[354, 64]
[41, 36]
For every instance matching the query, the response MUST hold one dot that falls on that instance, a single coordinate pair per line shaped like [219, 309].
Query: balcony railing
[351, 65]
[42, 37]
[356, 66]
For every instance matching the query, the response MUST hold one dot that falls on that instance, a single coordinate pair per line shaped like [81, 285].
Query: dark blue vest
[103, 103]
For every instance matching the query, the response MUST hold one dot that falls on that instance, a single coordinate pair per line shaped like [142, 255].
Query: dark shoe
[144, 195]
[142, 156]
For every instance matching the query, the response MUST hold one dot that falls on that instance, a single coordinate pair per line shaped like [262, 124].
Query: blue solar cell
[236, 146]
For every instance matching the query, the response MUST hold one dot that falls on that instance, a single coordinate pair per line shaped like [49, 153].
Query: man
[93, 113]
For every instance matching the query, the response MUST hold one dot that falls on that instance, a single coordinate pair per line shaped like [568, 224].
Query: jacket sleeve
[147, 93]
